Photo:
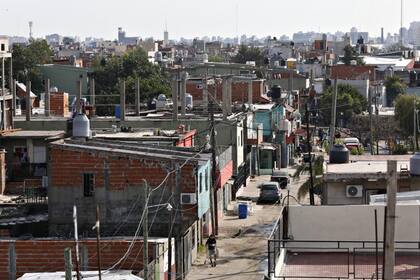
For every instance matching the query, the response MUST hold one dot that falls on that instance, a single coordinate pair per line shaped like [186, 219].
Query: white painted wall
[350, 223]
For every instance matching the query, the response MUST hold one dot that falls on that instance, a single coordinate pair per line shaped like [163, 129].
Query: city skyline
[219, 19]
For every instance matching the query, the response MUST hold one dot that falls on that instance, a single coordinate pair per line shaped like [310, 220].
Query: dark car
[270, 192]
[281, 176]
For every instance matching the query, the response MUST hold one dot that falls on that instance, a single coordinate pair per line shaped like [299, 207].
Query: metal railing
[313, 259]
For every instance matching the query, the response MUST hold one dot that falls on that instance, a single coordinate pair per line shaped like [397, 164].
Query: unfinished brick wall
[239, 91]
[59, 104]
[125, 193]
[48, 255]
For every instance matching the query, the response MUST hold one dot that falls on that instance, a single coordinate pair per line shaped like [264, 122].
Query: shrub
[354, 151]
[400, 150]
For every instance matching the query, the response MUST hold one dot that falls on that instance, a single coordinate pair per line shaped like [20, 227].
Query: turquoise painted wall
[268, 118]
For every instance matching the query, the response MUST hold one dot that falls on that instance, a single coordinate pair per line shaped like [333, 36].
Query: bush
[354, 151]
[361, 150]
[400, 150]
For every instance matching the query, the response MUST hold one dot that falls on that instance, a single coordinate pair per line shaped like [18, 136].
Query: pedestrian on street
[211, 249]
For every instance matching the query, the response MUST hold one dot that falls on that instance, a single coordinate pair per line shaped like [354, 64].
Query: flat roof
[33, 134]
[133, 149]
[361, 170]
[93, 275]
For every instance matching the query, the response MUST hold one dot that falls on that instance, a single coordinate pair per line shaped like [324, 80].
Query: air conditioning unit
[188, 198]
[354, 191]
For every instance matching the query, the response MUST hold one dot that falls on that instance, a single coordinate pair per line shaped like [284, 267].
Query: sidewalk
[242, 244]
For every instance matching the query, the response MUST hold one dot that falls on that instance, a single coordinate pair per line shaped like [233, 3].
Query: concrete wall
[203, 182]
[350, 223]
[361, 85]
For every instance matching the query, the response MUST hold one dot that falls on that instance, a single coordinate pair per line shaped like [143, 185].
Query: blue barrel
[117, 111]
[243, 211]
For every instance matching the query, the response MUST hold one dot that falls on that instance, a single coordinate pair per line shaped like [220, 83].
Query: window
[3, 47]
[207, 179]
[88, 184]
[200, 182]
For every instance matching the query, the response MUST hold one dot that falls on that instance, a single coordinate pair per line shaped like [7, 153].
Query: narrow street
[242, 244]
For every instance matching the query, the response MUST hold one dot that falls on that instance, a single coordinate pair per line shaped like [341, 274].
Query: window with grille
[88, 184]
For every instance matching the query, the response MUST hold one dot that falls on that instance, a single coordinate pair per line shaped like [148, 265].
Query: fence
[274, 248]
[291, 259]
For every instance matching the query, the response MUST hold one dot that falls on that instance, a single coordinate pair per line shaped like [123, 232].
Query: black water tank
[276, 92]
[339, 154]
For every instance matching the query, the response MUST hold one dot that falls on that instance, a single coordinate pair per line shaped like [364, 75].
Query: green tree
[216, 59]
[350, 54]
[132, 65]
[349, 103]
[394, 87]
[404, 114]
[26, 59]
[246, 53]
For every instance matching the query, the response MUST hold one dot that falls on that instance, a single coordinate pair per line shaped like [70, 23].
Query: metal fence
[292, 259]
[274, 248]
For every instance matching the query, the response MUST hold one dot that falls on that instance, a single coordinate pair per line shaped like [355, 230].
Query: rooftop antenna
[237, 19]
[30, 30]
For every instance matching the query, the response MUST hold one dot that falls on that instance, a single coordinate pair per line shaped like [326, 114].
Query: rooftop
[32, 134]
[92, 275]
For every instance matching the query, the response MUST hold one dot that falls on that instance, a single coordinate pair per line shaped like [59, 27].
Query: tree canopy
[349, 103]
[404, 113]
[350, 54]
[132, 65]
[25, 60]
[394, 87]
[246, 53]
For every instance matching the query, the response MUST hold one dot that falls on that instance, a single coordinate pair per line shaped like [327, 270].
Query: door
[186, 245]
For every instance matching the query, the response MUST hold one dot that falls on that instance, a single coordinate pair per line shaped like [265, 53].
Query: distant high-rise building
[414, 33]
[123, 40]
[382, 36]
[31, 24]
[166, 38]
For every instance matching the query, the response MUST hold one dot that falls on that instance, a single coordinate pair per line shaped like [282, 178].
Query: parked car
[351, 143]
[270, 192]
[281, 176]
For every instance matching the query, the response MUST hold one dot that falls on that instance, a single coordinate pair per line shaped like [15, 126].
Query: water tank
[81, 126]
[189, 101]
[161, 102]
[54, 89]
[276, 92]
[205, 58]
[415, 164]
[339, 154]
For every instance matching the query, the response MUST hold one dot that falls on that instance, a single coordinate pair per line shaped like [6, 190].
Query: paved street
[243, 256]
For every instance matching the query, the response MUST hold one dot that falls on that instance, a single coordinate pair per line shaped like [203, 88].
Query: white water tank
[81, 126]
[189, 101]
[415, 164]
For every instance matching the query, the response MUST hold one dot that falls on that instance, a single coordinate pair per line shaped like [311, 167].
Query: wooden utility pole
[171, 222]
[333, 114]
[311, 174]
[391, 201]
[68, 266]
[137, 99]
[28, 101]
[213, 169]
[122, 101]
[98, 243]
[92, 93]
[146, 232]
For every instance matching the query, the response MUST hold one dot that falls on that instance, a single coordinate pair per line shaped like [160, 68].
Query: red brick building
[195, 87]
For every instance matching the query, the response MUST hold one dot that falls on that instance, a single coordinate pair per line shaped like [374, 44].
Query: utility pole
[258, 152]
[389, 250]
[333, 114]
[3, 92]
[47, 98]
[171, 222]
[98, 244]
[311, 174]
[122, 101]
[213, 169]
[92, 93]
[146, 232]
[415, 127]
[137, 101]
[76, 238]
[28, 101]
[371, 121]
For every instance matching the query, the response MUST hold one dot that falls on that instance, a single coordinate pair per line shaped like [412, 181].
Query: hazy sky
[191, 18]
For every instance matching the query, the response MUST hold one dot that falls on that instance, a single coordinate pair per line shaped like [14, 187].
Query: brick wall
[48, 255]
[59, 104]
[239, 91]
[124, 195]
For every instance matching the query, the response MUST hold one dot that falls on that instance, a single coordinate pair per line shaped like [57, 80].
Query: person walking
[211, 249]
